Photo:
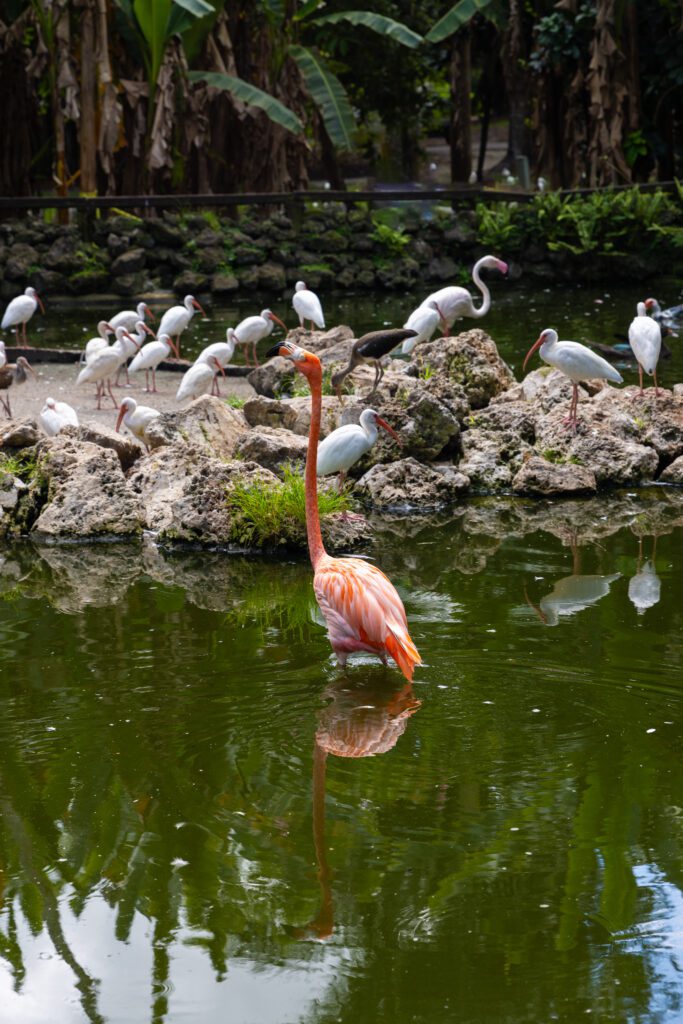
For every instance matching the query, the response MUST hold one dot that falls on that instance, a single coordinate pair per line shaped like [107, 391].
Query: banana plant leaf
[241, 90]
[329, 96]
[377, 23]
[460, 14]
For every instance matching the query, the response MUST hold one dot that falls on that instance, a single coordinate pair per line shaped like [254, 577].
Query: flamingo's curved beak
[502, 266]
[198, 305]
[40, 302]
[537, 344]
[390, 430]
[275, 350]
[277, 320]
[150, 314]
[119, 420]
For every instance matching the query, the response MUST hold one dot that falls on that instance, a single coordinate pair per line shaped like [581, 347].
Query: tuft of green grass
[22, 465]
[297, 386]
[265, 515]
[235, 401]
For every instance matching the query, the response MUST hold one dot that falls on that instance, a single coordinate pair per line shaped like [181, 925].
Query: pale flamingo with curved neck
[454, 302]
[362, 609]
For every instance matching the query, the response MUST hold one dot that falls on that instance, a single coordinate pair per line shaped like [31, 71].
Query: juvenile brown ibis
[13, 373]
[371, 348]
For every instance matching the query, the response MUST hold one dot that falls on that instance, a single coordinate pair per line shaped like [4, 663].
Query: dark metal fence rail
[292, 200]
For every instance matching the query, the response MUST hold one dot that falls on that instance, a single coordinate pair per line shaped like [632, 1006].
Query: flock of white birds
[103, 361]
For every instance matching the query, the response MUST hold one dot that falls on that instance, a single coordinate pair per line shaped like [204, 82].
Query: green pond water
[188, 830]
[202, 819]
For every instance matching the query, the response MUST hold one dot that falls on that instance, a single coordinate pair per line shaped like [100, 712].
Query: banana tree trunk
[88, 133]
[461, 111]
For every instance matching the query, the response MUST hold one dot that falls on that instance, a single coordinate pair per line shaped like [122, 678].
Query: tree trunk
[88, 135]
[461, 112]
[513, 58]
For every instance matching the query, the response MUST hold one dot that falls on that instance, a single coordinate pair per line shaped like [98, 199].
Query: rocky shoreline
[467, 427]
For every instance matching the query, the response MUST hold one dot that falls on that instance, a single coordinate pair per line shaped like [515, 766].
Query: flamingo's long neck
[316, 547]
[486, 294]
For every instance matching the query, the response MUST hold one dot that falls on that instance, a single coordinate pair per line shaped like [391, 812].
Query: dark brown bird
[13, 373]
[372, 348]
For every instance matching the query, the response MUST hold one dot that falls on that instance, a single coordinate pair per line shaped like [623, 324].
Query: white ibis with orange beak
[253, 329]
[345, 445]
[19, 312]
[132, 344]
[222, 351]
[136, 417]
[149, 357]
[128, 318]
[13, 373]
[55, 415]
[198, 379]
[104, 365]
[575, 361]
[307, 306]
[424, 320]
[455, 302]
[645, 339]
[175, 320]
[98, 343]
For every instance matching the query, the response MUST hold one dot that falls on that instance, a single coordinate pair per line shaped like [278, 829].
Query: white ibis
[307, 306]
[222, 352]
[128, 318]
[253, 329]
[371, 348]
[345, 445]
[455, 302]
[132, 344]
[424, 320]
[55, 415]
[645, 339]
[575, 361]
[99, 342]
[19, 312]
[13, 373]
[103, 366]
[197, 380]
[136, 417]
[175, 320]
[149, 357]
[3, 354]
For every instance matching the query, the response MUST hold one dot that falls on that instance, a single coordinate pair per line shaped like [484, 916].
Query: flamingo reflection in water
[572, 593]
[359, 721]
[645, 588]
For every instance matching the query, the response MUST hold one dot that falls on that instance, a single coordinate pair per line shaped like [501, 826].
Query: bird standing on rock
[575, 361]
[55, 415]
[136, 417]
[645, 339]
[307, 306]
[345, 445]
[13, 373]
[19, 312]
[253, 329]
[371, 348]
[362, 609]
[455, 302]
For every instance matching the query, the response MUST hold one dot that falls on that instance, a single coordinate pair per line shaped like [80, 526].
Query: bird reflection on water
[644, 589]
[572, 593]
[360, 721]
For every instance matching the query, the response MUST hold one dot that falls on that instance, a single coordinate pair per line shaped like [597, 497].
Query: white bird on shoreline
[253, 329]
[222, 352]
[345, 445]
[98, 343]
[132, 345]
[575, 361]
[55, 415]
[128, 318]
[103, 367]
[19, 312]
[197, 380]
[136, 417]
[307, 306]
[425, 319]
[175, 320]
[455, 302]
[149, 357]
[645, 339]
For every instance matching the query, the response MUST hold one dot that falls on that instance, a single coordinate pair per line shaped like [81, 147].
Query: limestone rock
[409, 484]
[273, 448]
[470, 359]
[127, 448]
[292, 413]
[537, 476]
[491, 458]
[19, 433]
[207, 425]
[87, 494]
[272, 378]
[673, 474]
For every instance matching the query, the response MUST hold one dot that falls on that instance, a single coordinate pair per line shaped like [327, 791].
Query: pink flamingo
[362, 610]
